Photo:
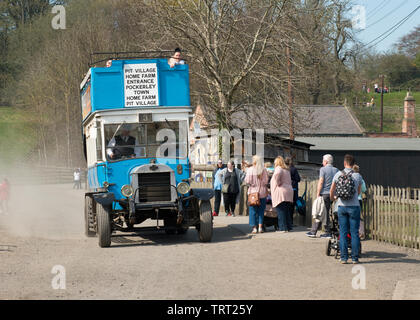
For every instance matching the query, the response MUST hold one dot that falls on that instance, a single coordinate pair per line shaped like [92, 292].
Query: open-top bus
[135, 129]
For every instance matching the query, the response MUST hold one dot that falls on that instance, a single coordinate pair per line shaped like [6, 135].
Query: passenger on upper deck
[109, 63]
[176, 58]
[123, 145]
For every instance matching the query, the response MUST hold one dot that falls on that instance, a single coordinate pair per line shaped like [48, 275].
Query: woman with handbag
[257, 179]
[282, 194]
[231, 187]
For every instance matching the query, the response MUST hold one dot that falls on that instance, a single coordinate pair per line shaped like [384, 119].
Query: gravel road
[45, 229]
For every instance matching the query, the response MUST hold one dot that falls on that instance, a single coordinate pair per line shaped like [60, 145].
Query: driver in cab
[123, 145]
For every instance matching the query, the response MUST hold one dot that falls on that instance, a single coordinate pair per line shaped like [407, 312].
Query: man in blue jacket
[217, 186]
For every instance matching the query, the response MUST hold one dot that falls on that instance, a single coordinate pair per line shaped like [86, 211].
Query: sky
[381, 15]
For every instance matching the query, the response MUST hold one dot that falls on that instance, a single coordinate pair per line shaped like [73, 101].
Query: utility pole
[382, 103]
[290, 94]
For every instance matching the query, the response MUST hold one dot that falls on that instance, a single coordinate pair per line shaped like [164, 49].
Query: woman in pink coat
[282, 194]
[257, 180]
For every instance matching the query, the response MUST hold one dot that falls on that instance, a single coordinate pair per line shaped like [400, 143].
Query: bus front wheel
[103, 226]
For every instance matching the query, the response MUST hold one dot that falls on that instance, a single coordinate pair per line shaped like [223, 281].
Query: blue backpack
[301, 204]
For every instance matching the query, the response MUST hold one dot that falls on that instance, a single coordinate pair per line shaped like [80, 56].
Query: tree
[398, 68]
[226, 41]
[417, 60]
[23, 11]
[409, 44]
[340, 36]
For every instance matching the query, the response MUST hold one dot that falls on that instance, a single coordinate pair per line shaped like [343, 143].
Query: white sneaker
[260, 230]
[254, 231]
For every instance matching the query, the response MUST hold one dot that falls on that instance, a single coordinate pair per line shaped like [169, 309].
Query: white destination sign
[141, 85]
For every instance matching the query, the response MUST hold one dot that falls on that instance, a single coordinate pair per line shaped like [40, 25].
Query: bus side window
[99, 144]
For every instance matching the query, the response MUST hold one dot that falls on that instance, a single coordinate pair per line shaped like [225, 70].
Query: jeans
[283, 214]
[293, 205]
[217, 199]
[349, 218]
[256, 213]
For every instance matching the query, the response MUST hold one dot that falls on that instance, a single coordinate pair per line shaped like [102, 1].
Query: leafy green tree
[398, 68]
[417, 61]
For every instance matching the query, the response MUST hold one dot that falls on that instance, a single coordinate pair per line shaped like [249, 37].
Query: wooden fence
[392, 215]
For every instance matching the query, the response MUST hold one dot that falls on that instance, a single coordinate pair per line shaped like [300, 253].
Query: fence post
[418, 219]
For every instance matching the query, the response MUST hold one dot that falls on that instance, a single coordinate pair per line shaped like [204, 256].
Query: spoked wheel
[328, 248]
[103, 225]
[89, 217]
[205, 231]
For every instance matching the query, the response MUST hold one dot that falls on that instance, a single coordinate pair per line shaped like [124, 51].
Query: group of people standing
[282, 188]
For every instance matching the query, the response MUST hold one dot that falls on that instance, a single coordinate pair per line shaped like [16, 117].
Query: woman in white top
[176, 58]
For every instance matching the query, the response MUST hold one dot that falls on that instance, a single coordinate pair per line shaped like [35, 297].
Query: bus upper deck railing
[129, 55]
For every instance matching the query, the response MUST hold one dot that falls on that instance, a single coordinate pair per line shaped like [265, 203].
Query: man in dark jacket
[122, 145]
[294, 174]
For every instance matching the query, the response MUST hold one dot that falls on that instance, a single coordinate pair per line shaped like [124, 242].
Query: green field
[17, 136]
[369, 118]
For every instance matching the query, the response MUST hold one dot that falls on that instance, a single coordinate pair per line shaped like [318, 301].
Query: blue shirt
[328, 172]
[218, 180]
[364, 189]
[354, 201]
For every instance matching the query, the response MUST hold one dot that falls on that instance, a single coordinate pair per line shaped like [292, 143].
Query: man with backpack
[345, 189]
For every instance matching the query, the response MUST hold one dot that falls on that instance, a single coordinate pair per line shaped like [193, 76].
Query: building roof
[362, 143]
[309, 120]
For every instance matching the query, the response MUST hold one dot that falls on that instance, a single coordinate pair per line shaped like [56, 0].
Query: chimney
[409, 126]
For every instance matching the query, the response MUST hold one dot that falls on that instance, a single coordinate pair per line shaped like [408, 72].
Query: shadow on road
[220, 234]
[387, 257]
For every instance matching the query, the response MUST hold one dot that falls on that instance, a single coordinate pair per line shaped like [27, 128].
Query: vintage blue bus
[135, 130]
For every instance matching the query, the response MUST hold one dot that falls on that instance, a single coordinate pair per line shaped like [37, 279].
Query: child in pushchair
[270, 216]
[333, 244]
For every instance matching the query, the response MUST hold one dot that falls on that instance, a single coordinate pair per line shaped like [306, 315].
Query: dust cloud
[48, 211]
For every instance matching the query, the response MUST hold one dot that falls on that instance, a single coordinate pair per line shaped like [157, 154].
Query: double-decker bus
[135, 130]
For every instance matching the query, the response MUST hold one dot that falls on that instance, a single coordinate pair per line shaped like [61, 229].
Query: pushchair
[270, 216]
[333, 244]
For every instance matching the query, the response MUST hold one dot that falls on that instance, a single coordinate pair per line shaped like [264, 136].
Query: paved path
[45, 230]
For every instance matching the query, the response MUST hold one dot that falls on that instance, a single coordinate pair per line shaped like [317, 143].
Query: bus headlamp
[183, 188]
[127, 191]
